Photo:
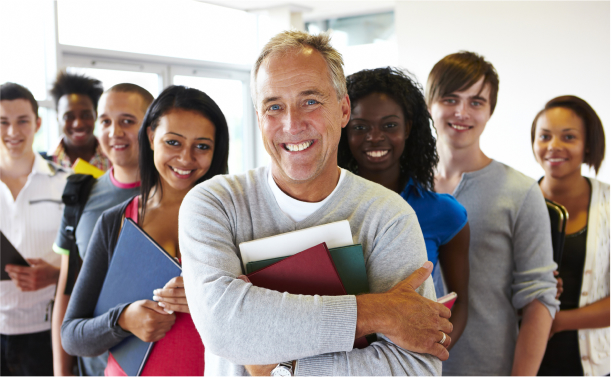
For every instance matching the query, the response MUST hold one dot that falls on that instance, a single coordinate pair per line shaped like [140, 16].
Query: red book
[448, 300]
[310, 272]
[179, 353]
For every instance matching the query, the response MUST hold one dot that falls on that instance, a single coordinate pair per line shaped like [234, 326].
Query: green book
[349, 262]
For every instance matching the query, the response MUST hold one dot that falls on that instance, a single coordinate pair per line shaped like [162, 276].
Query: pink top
[119, 184]
[131, 212]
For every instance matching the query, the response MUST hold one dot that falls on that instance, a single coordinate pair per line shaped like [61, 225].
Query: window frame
[165, 67]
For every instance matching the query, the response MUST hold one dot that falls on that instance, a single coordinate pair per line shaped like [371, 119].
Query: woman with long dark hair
[566, 134]
[389, 141]
[184, 140]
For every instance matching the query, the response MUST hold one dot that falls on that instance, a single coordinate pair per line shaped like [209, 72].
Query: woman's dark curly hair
[419, 157]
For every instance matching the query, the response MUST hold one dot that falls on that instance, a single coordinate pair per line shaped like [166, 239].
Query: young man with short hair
[299, 92]
[121, 111]
[30, 212]
[76, 100]
[510, 253]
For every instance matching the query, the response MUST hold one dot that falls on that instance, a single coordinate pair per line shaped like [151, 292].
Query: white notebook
[335, 234]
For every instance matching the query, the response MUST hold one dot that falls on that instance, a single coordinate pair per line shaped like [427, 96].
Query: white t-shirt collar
[293, 208]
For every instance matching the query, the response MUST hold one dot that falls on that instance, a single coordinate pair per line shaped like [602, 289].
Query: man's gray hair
[288, 41]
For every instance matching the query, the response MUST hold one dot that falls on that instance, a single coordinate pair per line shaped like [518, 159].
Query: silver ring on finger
[443, 340]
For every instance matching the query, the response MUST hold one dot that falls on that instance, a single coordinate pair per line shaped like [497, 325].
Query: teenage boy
[30, 212]
[510, 254]
[299, 92]
[121, 110]
[76, 99]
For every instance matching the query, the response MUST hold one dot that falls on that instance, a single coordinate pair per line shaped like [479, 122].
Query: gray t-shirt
[510, 265]
[241, 324]
[105, 193]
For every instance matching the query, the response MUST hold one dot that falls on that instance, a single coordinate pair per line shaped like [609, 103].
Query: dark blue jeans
[27, 354]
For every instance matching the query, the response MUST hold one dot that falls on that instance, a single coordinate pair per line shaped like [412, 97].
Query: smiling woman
[389, 141]
[566, 134]
[184, 140]
[190, 134]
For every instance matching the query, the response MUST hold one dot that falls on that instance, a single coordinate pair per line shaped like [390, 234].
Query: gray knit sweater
[510, 264]
[241, 324]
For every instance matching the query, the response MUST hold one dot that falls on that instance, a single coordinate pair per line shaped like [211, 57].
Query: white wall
[540, 50]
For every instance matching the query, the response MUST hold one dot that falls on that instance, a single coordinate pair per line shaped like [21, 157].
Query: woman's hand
[146, 320]
[172, 297]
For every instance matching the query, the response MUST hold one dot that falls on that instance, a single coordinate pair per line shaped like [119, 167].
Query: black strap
[75, 197]
[48, 157]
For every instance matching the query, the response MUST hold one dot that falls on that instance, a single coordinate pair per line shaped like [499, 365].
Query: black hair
[68, 83]
[595, 133]
[147, 97]
[419, 157]
[10, 91]
[180, 97]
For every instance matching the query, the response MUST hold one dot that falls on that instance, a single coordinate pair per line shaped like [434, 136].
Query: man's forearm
[62, 362]
[532, 339]
[368, 318]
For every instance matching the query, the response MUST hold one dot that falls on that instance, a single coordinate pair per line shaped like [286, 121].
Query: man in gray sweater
[300, 97]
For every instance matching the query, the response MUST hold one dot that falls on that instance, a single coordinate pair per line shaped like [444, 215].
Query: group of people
[404, 166]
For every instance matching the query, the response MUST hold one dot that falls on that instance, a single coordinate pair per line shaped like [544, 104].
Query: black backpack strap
[46, 156]
[75, 197]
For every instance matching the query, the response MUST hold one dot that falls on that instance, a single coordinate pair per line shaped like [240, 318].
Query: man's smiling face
[460, 117]
[299, 115]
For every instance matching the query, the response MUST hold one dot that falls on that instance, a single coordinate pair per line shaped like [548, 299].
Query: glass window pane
[365, 42]
[178, 28]
[359, 30]
[47, 136]
[110, 77]
[22, 40]
[228, 95]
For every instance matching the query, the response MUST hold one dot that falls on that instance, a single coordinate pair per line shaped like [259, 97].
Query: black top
[562, 357]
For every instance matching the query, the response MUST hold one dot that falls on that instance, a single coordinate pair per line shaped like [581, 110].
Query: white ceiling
[313, 9]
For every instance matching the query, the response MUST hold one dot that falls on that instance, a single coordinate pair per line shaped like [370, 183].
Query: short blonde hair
[293, 40]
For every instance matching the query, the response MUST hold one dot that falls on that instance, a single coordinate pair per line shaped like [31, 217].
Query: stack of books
[321, 260]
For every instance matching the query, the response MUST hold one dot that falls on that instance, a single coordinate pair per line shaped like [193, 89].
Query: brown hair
[297, 40]
[595, 134]
[10, 91]
[460, 71]
[147, 97]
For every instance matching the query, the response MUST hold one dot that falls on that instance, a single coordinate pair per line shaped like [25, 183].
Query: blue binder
[138, 266]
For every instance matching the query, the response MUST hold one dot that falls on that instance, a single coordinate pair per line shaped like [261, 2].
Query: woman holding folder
[184, 140]
[566, 134]
[389, 140]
